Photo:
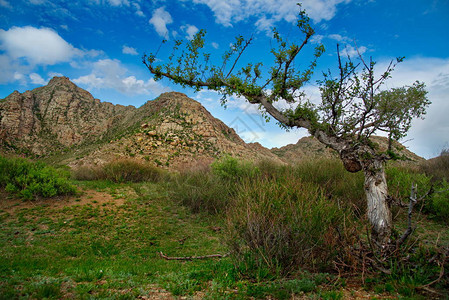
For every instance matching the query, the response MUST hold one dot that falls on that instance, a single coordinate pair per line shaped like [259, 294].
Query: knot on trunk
[350, 161]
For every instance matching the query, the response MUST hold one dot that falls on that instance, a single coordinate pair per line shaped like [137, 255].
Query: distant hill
[311, 148]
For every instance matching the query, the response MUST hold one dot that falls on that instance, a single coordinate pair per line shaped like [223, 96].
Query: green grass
[87, 250]
[96, 250]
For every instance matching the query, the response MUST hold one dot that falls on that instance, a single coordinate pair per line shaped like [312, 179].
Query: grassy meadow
[286, 232]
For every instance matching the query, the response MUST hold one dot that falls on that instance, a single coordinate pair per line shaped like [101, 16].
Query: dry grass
[120, 170]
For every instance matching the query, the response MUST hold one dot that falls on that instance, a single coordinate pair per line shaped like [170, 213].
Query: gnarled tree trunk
[378, 209]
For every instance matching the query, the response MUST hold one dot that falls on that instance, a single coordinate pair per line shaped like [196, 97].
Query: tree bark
[378, 210]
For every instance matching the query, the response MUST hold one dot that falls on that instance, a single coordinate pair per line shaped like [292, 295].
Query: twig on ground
[162, 255]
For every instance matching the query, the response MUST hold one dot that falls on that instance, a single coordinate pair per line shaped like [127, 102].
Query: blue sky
[98, 44]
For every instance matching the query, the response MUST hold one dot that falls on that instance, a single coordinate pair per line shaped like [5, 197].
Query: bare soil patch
[11, 204]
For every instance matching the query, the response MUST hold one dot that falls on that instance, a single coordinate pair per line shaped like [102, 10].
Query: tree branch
[238, 57]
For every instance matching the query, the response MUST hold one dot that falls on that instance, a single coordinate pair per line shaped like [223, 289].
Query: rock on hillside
[177, 132]
[56, 116]
[311, 148]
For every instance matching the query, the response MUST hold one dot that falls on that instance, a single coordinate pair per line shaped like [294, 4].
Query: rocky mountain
[170, 131]
[57, 116]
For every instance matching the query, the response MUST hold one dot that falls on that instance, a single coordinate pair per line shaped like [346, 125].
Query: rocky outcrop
[177, 132]
[56, 116]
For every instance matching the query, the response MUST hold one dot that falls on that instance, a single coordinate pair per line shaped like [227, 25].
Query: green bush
[436, 200]
[128, 170]
[231, 168]
[285, 224]
[87, 173]
[33, 179]
[400, 180]
[440, 202]
[338, 183]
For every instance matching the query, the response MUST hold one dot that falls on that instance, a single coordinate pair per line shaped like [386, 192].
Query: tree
[353, 105]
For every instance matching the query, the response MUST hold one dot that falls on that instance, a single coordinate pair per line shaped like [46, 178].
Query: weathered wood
[162, 255]
[378, 210]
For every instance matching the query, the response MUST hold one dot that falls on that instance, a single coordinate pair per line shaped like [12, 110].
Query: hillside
[176, 131]
[65, 123]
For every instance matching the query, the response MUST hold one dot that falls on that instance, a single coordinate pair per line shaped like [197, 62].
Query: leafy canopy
[354, 104]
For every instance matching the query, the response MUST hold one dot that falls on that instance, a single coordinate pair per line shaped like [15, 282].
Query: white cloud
[272, 136]
[5, 4]
[352, 51]
[268, 12]
[36, 79]
[111, 74]
[159, 20]
[19, 77]
[265, 24]
[129, 50]
[53, 74]
[8, 69]
[215, 45]
[317, 39]
[37, 2]
[118, 2]
[338, 37]
[139, 11]
[38, 46]
[191, 30]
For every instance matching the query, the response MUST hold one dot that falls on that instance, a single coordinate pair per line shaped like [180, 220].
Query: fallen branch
[162, 255]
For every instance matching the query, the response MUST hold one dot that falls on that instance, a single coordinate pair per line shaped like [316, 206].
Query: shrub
[400, 180]
[87, 173]
[440, 202]
[231, 168]
[128, 170]
[335, 180]
[120, 170]
[438, 167]
[284, 224]
[33, 179]
[201, 191]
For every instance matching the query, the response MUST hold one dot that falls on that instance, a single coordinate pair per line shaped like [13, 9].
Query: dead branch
[409, 229]
[162, 255]
[413, 201]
